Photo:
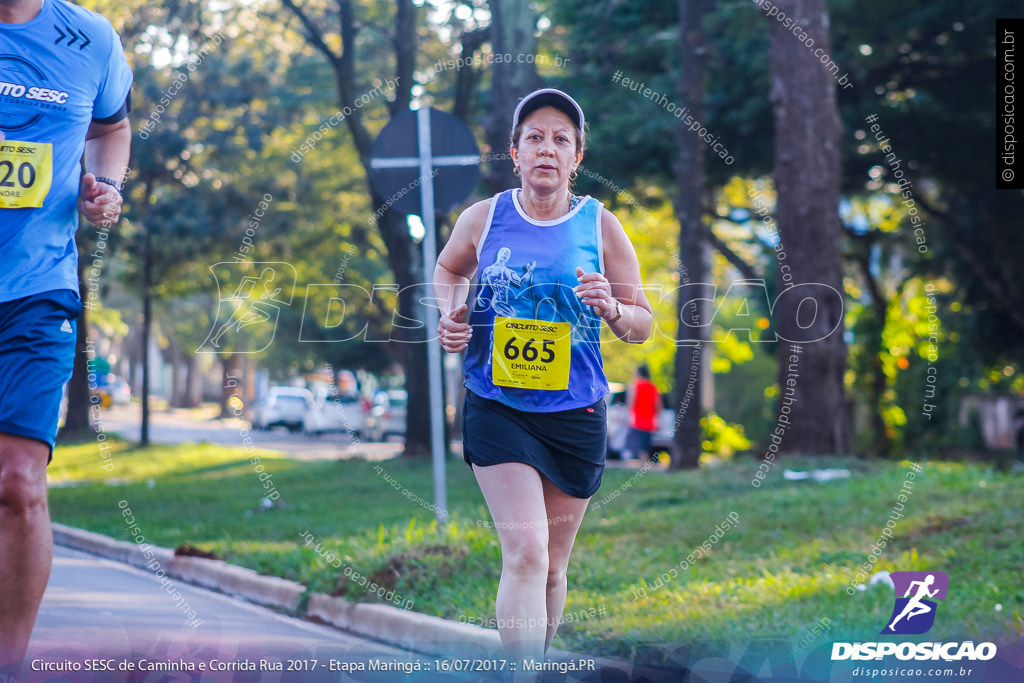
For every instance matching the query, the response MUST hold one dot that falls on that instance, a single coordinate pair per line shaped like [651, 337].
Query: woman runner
[552, 266]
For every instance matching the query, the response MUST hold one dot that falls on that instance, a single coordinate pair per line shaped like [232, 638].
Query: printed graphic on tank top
[536, 346]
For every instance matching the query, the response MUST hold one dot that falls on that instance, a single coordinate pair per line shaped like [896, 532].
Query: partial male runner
[64, 91]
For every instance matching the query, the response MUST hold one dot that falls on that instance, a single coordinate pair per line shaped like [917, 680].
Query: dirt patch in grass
[187, 550]
[411, 568]
[939, 524]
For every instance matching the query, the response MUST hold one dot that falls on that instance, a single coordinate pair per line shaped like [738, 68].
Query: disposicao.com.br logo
[914, 614]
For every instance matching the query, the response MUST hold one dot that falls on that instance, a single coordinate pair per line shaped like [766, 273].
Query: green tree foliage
[229, 135]
[927, 72]
[220, 112]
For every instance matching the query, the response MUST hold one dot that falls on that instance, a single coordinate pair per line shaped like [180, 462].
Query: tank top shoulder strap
[495, 200]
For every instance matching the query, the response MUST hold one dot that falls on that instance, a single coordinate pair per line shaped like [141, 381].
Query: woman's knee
[556, 571]
[525, 551]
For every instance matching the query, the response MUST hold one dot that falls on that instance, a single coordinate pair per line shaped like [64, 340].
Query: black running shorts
[568, 446]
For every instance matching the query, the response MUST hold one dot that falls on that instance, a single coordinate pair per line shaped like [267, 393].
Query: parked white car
[112, 389]
[336, 413]
[119, 390]
[282, 407]
[386, 416]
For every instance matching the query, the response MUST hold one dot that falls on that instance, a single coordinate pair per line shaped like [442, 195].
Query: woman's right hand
[453, 330]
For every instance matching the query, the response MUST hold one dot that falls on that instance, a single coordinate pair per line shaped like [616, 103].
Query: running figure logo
[246, 320]
[914, 613]
[500, 278]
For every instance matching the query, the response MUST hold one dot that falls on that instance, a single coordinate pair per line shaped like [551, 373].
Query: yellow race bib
[531, 354]
[26, 170]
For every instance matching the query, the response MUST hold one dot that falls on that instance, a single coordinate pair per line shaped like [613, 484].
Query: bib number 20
[26, 171]
[25, 175]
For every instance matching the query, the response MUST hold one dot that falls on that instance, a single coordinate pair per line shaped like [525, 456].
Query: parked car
[111, 389]
[618, 423]
[335, 413]
[282, 407]
[118, 389]
[386, 416]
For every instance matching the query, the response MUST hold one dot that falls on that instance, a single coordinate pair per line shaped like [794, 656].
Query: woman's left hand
[595, 291]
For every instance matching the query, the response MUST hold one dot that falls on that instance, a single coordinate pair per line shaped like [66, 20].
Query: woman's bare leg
[565, 514]
[515, 496]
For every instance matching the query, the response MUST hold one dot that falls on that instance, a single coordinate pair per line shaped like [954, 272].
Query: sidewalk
[98, 609]
[137, 622]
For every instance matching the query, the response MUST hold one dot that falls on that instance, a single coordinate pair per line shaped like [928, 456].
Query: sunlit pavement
[95, 608]
[194, 426]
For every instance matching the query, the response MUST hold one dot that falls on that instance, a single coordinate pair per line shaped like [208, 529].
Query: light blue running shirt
[526, 276]
[58, 72]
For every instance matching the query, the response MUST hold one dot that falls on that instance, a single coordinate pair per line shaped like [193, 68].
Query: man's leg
[645, 447]
[629, 448]
[26, 541]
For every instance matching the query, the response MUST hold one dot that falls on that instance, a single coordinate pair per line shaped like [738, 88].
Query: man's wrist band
[113, 183]
[618, 313]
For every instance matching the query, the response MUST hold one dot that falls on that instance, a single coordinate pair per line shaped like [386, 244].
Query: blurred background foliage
[254, 87]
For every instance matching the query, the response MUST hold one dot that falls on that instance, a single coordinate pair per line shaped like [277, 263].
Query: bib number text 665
[531, 350]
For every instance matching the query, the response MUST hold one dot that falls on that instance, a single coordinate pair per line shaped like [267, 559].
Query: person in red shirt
[644, 403]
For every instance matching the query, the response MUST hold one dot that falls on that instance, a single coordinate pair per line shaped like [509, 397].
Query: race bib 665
[531, 354]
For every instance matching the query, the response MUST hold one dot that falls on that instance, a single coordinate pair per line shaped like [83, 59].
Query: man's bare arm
[107, 151]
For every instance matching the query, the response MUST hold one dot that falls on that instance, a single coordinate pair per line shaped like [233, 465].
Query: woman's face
[547, 149]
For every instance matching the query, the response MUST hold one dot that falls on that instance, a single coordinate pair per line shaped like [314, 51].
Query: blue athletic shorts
[37, 355]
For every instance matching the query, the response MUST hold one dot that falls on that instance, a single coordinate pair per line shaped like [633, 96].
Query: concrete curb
[404, 628]
[245, 583]
[401, 627]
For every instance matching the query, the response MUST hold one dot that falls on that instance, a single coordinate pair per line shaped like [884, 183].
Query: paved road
[98, 609]
[195, 426]
[184, 426]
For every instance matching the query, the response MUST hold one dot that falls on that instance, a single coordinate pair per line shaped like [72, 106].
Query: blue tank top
[525, 315]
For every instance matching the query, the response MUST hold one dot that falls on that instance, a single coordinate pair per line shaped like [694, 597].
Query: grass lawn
[781, 572]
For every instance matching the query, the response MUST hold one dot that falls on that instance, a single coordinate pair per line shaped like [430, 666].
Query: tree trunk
[177, 383]
[193, 382]
[466, 78]
[690, 178]
[874, 350]
[513, 24]
[881, 445]
[147, 322]
[403, 257]
[76, 419]
[408, 344]
[229, 383]
[408, 340]
[806, 173]
[132, 345]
